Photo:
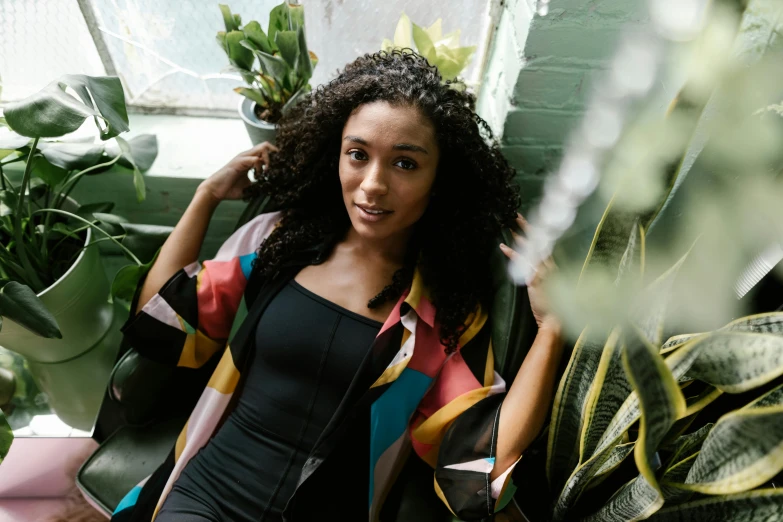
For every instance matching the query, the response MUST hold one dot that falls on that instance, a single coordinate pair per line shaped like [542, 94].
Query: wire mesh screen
[40, 40]
[166, 52]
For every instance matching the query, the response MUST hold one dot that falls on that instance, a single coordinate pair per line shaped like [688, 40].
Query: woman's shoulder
[248, 237]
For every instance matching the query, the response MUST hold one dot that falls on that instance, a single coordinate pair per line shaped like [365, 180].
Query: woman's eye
[357, 155]
[406, 164]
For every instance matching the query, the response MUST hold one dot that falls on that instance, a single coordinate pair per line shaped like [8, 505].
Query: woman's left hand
[538, 300]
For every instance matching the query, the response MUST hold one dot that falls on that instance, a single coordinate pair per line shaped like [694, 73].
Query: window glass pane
[40, 40]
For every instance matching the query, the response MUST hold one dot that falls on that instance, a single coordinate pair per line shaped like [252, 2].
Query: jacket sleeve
[455, 428]
[190, 318]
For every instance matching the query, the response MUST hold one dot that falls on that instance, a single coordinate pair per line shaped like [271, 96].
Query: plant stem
[94, 227]
[73, 181]
[110, 238]
[2, 178]
[20, 246]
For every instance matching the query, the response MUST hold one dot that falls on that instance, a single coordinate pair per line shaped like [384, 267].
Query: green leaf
[8, 202]
[239, 55]
[294, 99]
[256, 35]
[70, 156]
[424, 44]
[273, 66]
[10, 140]
[636, 500]
[20, 304]
[228, 18]
[763, 505]
[736, 362]
[144, 240]
[296, 16]
[143, 151]
[761, 323]
[6, 436]
[616, 457]
[127, 279]
[138, 179]
[51, 112]
[50, 174]
[253, 94]
[569, 407]
[88, 209]
[307, 60]
[278, 21]
[288, 43]
[685, 446]
[221, 40]
[743, 450]
[402, 33]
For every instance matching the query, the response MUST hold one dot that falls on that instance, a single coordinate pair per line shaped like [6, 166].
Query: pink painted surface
[31, 510]
[42, 466]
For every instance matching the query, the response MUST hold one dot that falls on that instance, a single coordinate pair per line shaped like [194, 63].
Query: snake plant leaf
[635, 500]
[294, 99]
[239, 55]
[70, 156]
[288, 43]
[228, 18]
[612, 387]
[138, 178]
[736, 362]
[701, 401]
[20, 304]
[6, 436]
[685, 446]
[221, 40]
[762, 505]
[256, 35]
[771, 322]
[568, 409]
[743, 450]
[295, 16]
[616, 457]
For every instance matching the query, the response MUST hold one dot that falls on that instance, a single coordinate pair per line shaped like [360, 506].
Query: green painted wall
[539, 75]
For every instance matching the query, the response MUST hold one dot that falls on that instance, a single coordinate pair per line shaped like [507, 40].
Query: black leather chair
[143, 428]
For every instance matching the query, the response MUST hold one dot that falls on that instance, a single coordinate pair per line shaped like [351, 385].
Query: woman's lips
[372, 215]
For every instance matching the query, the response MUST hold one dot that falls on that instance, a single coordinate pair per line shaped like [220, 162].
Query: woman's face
[388, 160]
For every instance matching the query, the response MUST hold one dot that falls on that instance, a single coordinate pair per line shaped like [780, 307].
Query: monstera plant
[55, 305]
[442, 51]
[651, 422]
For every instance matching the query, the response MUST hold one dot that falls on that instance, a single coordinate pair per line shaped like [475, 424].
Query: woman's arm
[524, 410]
[183, 245]
[525, 407]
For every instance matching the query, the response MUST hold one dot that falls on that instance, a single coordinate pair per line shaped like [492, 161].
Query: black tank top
[307, 352]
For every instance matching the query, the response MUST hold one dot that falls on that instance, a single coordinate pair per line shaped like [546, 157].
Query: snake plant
[689, 427]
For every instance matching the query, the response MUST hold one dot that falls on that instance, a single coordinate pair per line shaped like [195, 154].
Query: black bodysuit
[307, 352]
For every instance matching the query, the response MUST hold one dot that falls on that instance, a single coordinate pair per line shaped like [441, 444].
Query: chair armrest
[137, 383]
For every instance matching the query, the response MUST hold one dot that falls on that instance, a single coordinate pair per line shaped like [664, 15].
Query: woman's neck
[385, 251]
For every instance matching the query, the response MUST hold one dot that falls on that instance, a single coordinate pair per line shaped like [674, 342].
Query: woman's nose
[374, 182]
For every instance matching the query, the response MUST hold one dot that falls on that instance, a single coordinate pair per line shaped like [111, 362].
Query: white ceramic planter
[73, 371]
[258, 130]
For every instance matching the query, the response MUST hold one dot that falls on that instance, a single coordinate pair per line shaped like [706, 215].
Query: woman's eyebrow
[398, 146]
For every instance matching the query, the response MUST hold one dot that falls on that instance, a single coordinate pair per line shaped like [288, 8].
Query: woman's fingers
[522, 223]
[508, 252]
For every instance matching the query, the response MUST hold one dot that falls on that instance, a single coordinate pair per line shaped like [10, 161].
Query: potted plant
[442, 51]
[55, 305]
[276, 65]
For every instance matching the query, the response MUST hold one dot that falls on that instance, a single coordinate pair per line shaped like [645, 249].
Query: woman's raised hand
[538, 301]
[231, 180]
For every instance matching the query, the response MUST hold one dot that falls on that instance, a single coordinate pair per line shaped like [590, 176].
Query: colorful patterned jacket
[444, 407]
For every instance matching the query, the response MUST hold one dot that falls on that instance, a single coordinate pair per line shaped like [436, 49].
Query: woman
[355, 317]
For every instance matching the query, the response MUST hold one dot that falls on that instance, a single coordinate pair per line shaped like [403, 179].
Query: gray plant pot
[73, 371]
[258, 130]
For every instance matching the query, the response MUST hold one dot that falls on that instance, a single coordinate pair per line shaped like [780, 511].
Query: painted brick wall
[539, 75]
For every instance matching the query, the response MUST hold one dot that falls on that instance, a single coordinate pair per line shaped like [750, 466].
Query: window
[166, 52]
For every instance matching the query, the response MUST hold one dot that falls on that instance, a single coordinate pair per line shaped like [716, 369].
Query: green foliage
[701, 412]
[42, 231]
[284, 64]
[442, 51]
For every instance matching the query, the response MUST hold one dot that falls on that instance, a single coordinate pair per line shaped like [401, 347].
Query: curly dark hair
[474, 191]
